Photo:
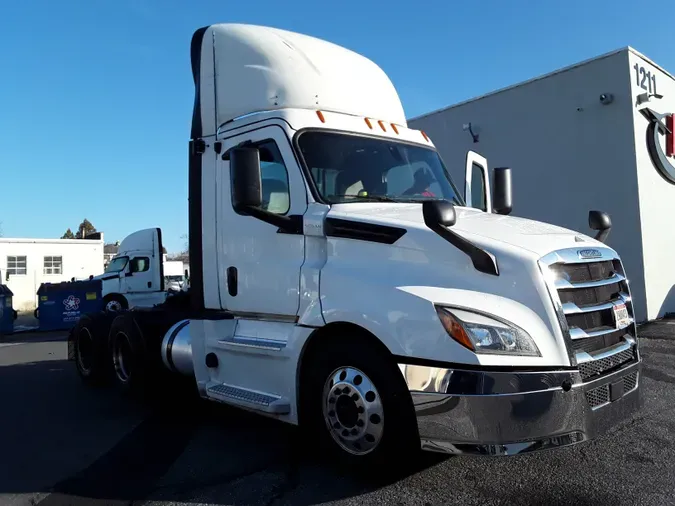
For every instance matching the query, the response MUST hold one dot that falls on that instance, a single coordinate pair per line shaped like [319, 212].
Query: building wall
[80, 259]
[657, 195]
[568, 152]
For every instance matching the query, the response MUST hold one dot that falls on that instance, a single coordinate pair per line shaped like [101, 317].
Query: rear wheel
[89, 337]
[127, 351]
[357, 406]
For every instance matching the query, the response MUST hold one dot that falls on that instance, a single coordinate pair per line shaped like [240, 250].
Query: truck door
[258, 267]
[477, 183]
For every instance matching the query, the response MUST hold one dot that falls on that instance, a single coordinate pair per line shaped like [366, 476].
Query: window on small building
[16, 265]
[53, 265]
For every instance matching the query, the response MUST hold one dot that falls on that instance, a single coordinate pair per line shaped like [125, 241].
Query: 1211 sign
[645, 79]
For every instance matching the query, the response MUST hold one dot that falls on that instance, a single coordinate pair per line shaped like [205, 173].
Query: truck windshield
[117, 264]
[353, 168]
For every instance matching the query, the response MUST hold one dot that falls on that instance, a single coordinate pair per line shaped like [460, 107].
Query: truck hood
[106, 276]
[534, 236]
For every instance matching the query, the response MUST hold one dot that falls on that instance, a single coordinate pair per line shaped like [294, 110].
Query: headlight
[482, 334]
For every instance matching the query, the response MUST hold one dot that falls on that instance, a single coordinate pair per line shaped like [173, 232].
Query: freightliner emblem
[589, 253]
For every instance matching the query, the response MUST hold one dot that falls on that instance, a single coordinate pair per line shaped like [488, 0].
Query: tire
[115, 303]
[90, 339]
[371, 424]
[128, 354]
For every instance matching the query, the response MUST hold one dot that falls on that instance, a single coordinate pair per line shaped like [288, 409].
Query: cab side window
[275, 192]
[139, 264]
[478, 188]
[276, 196]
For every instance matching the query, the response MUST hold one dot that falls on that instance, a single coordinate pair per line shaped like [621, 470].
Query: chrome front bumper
[505, 413]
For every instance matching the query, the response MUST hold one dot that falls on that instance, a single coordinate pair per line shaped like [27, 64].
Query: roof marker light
[381, 123]
[394, 128]
[320, 115]
[425, 135]
[368, 123]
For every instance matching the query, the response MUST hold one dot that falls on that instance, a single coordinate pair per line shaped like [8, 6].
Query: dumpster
[60, 305]
[6, 310]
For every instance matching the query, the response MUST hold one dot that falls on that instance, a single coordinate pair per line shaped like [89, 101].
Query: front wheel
[358, 406]
[353, 410]
[115, 303]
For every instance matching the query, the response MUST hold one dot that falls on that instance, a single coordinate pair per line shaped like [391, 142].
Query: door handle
[232, 281]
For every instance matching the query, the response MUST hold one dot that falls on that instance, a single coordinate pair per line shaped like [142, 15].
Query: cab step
[261, 401]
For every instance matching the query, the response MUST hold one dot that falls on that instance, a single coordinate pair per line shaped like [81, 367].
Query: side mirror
[601, 222]
[245, 178]
[440, 212]
[502, 198]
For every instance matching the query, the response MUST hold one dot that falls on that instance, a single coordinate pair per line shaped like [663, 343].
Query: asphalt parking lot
[64, 443]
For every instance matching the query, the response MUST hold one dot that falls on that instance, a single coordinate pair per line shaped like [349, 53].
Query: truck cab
[340, 280]
[135, 276]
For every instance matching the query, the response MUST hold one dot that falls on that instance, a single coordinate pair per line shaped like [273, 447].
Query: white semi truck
[135, 276]
[341, 281]
[175, 276]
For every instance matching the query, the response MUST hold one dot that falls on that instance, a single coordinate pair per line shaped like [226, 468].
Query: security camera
[606, 98]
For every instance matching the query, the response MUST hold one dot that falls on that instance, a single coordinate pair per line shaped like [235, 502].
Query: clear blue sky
[96, 95]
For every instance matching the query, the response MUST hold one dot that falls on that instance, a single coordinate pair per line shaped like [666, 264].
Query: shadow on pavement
[33, 337]
[80, 444]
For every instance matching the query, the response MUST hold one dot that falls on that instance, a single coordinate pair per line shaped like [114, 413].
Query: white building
[26, 263]
[591, 136]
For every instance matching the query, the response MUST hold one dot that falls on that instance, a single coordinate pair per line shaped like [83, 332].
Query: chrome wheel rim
[113, 305]
[85, 344]
[122, 357]
[353, 411]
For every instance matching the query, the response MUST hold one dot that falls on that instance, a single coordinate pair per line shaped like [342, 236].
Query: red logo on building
[661, 125]
[670, 138]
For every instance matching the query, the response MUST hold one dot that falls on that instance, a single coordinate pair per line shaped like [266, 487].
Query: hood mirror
[600, 221]
[441, 212]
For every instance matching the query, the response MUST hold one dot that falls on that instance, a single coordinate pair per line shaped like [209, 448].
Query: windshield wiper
[374, 198]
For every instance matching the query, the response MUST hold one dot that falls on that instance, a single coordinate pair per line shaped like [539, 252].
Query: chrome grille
[603, 365]
[586, 292]
[598, 396]
[630, 382]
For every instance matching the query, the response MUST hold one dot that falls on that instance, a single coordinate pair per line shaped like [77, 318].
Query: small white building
[27, 263]
[598, 135]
